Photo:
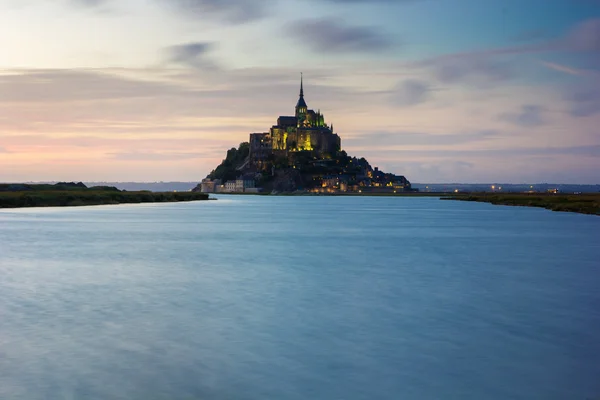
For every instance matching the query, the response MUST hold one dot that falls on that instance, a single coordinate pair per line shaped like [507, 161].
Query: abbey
[299, 154]
[305, 131]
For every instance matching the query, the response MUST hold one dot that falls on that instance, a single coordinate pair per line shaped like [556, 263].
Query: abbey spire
[301, 106]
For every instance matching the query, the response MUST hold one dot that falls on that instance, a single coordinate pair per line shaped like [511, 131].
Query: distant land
[556, 197]
[423, 187]
[583, 203]
[151, 186]
[499, 187]
[70, 194]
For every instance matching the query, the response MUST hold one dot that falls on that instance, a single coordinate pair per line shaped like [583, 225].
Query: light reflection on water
[259, 297]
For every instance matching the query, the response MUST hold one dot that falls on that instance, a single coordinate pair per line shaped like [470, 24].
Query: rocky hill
[303, 170]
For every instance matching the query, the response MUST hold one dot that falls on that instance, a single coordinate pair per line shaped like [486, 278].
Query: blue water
[299, 298]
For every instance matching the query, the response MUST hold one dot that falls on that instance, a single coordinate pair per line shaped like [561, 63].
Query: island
[15, 195]
[300, 154]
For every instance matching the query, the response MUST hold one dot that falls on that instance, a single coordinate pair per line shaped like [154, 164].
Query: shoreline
[584, 203]
[83, 198]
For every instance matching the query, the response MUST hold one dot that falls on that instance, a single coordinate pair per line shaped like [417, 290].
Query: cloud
[531, 35]
[154, 156]
[494, 65]
[484, 56]
[439, 170]
[68, 85]
[372, 1]
[513, 169]
[477, 68]
[474, 69]
[233, 11]
[193, 55]
[584, 151]
[527, 116]
[584, 102]
[585, 37]
[163, 142]
[566, 69]
[410, 92]
[97, 6]
[184, 102]
[91, 3]
[488, 153]
[420, 139]
[329, 36]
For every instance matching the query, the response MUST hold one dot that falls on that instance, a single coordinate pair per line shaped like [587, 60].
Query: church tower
[301, 107]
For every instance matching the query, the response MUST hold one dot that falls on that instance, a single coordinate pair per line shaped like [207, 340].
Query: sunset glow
[439, 90]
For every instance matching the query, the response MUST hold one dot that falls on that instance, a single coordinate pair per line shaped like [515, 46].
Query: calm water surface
[299, 298]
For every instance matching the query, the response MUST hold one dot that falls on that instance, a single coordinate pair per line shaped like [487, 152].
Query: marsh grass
[585, 203]
[88, 197]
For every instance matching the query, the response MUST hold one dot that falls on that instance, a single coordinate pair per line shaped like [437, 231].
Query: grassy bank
[585, 203]
[49, 197]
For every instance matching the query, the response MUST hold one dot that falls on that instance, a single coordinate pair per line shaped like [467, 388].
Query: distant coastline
[183, 186]
[18, 195]
[583, 203]
[77, 194]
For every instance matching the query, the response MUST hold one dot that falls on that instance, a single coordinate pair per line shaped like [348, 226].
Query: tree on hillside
[227, 170]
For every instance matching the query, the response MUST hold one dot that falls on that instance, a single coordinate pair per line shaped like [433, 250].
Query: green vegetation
[585, 203]
[280, 171]
[17, 187]
[228, 169]
[71, 194]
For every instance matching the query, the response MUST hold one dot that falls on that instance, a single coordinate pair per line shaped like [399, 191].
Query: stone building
[229, 187]
[260, 148]
[243, 183]
[209, 186]
[305, 131]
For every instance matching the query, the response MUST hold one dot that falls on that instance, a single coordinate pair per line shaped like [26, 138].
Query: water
[299, 298]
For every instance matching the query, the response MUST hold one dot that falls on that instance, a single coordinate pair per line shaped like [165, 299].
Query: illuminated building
[305, 131]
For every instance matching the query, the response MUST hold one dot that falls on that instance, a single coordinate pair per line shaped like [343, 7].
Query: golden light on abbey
[306, 130]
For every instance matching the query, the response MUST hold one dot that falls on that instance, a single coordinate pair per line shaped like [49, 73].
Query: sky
[436, 90]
